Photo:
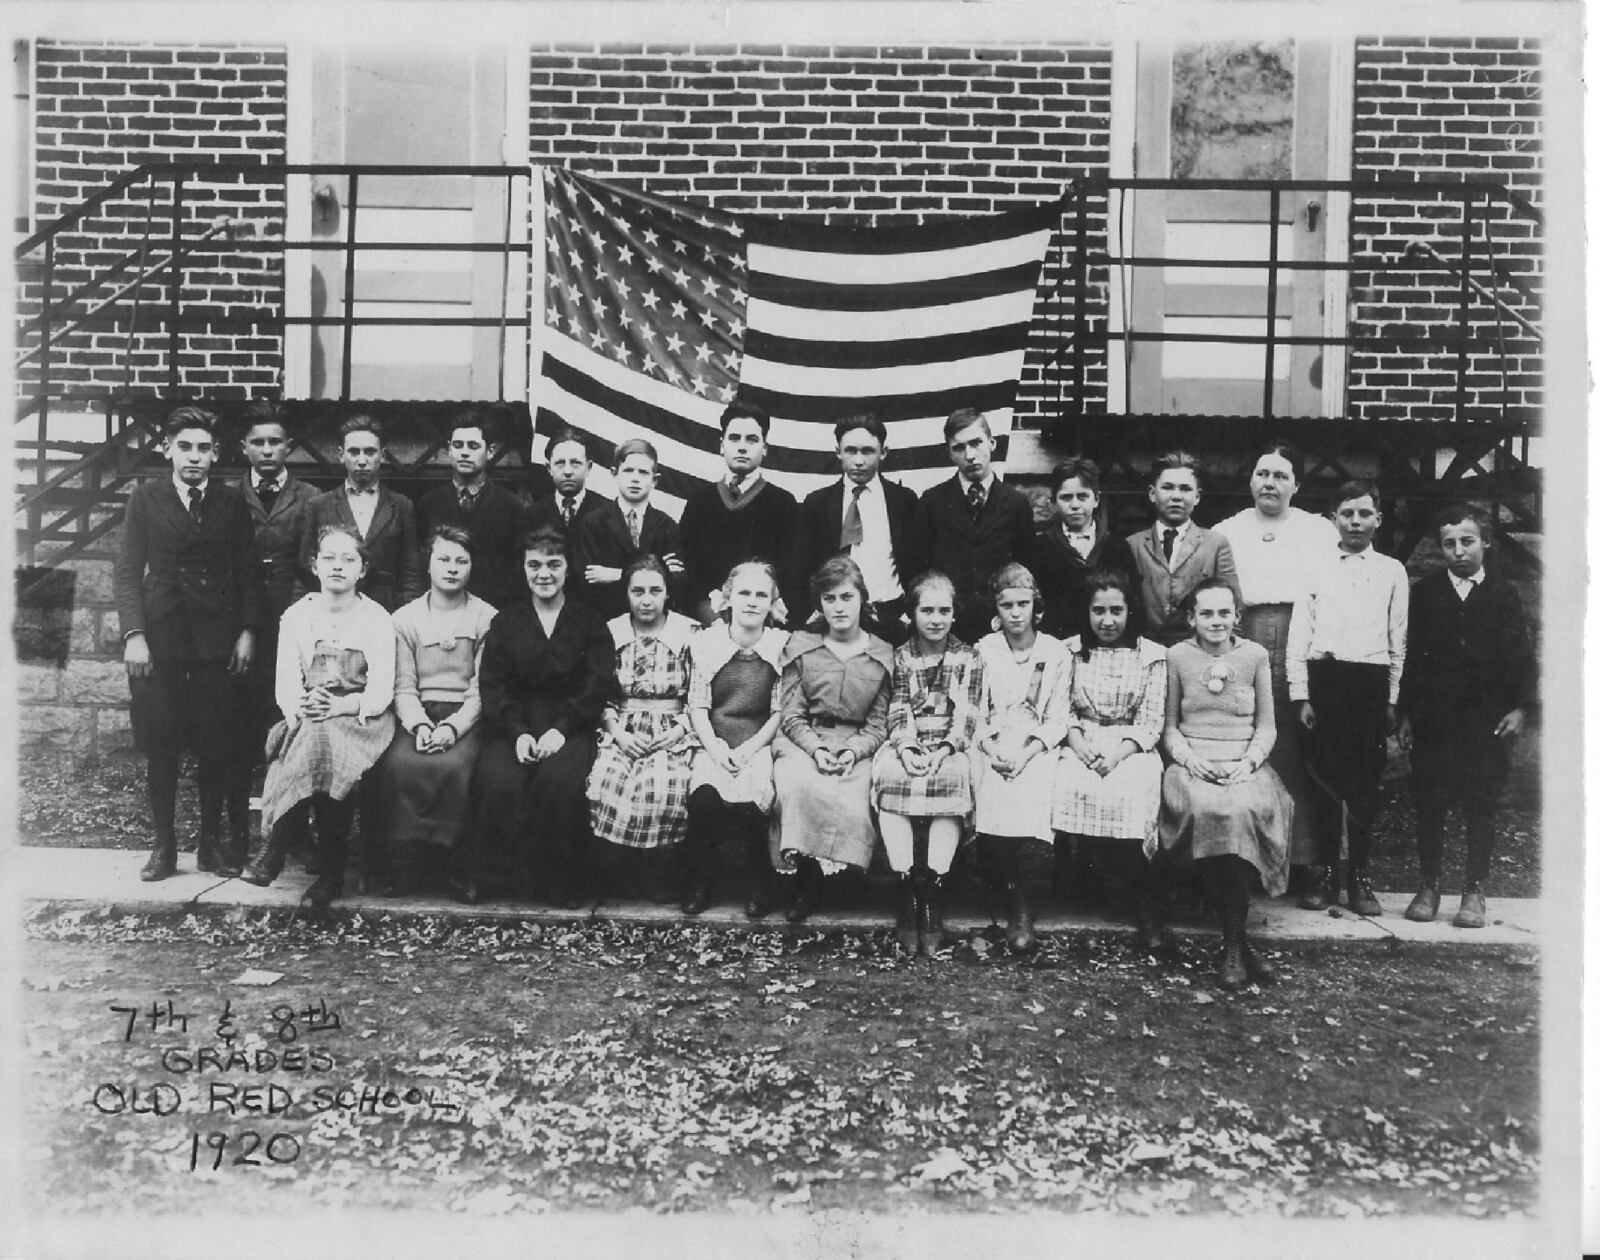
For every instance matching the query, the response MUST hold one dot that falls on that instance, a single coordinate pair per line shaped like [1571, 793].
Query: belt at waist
[1099, 720]
[651, 704]
[844, 723]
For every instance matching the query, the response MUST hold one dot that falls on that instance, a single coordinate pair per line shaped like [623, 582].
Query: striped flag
[657, 313]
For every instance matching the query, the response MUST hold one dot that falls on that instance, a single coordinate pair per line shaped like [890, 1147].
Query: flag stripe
[952, 234]
[846, 294]
[958, 313]
[859, 354]
[948, 376]
[988, 398]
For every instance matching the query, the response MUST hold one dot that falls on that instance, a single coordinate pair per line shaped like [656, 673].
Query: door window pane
[1233, 110]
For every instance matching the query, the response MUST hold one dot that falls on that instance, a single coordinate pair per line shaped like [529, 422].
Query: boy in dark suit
[383, 519]
[742, 516]
[872, 525]
[610, 538]
[972, 525]
[1468, 683]
[495, 517]
[278, 504]
[188, 595]
[570, 502]
[1175, 555]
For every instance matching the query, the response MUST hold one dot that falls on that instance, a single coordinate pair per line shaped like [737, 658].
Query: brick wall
[1443, 110]
[101, 110]
[851, 135]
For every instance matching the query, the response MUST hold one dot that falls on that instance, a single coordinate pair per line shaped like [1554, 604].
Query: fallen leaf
[257, 978]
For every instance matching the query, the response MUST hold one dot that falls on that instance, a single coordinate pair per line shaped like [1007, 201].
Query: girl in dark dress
[546, 672]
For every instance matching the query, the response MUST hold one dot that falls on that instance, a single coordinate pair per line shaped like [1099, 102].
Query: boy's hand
[601, 575]
[136, 655]
[1402, 733]
[1510, 726]
[673, 562]
[244, 653]
[1307, 716]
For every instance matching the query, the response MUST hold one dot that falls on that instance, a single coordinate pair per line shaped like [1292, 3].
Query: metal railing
[1475, 273]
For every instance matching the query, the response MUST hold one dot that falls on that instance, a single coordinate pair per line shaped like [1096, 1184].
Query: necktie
[974, 500]
[633, 526]
[195, 500]
[1168, 537]
[267, 492]
[568, 507]
[736, 487]
[852, 533]
[467, 500]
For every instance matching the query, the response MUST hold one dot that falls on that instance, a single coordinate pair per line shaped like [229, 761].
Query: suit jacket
[1468, 662]
[394, 576]
[968, 551]
[545, 514]
[189, 588]
[1202, 554]
[278, 544]
[816, 537]
[1061, 572]
[601, 537]
[497, 523]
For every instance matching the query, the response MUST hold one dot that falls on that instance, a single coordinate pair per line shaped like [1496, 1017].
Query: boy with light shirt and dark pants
[1468, 682]
[188, 594]
[1346, 654]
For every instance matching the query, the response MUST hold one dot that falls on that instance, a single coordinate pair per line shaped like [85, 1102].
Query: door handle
[1313, 213]
[325, 206]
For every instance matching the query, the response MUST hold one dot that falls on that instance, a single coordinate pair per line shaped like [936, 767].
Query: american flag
[657, 313]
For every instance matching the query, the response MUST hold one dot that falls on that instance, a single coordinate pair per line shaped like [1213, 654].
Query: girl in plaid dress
[639, 786]
[923, 771]
[1108, 777]
[335, 682]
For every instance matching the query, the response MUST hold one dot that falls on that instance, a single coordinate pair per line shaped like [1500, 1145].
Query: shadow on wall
[42, 630]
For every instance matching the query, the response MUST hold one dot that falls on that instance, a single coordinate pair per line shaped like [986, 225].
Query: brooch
[1269, 537]
[1217, 677]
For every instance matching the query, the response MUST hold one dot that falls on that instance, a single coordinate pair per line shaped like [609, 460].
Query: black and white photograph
[796, 628]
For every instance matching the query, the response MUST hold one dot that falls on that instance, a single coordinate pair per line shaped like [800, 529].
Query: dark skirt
[426, 797]
[531, 830]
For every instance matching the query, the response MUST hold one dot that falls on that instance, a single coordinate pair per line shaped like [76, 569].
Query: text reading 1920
[248, 1149]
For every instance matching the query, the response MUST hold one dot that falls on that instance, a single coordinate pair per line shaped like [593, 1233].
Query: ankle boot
[1362, 899]
[1231, 973]
[807, 885]
[905, 924]
[693, 883]
[930, 913]
[1424, 906]
[207, 855]
[1154, 936]
[1256, 967]
[1324, 890]
[267, 865]
[1019, 919]
[163, 860]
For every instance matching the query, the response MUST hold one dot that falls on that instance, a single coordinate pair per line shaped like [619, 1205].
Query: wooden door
[443, 108]
[1228, 111]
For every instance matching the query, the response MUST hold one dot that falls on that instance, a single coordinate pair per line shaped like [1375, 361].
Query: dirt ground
[508, 1068]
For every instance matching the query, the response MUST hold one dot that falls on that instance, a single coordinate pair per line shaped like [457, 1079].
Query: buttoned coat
[278, 543]
[394, 575]
[497, 523]
[1468, 662]
[601, 537]
[945, 536]
[1202, 554]
[816, 538]
[1061, 573]
[188, 588]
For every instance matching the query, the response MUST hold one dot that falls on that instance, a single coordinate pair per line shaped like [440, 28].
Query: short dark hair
[263, 411]
[1210, 584]
[568, 435]
[1108, 579]
[474, 418]
[866, 420]
[744, 409]
[546, 539]
[189, 417]
[1075, 466]
[964, 418]
[360, 424]
[1284, 452]
[1172, 461]
[647, 563]
[1460, 514]
[839, 571]
[460, 535]
[1357, 488]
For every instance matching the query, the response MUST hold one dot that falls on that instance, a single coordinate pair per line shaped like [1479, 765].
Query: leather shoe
[1473, 912]
[162, 863]
[1425, 905]
[1362, 899]
[323, 890]
[696, 899]
[1323, 891]
[1231, 975]
[1256, 967]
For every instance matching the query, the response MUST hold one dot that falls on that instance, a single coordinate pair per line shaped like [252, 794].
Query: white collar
[749, 481]
[1183, 530]
[1464, 585]
[351, 491]
[1363, 554]
[281, 480]
[987, 483]
[871, 487]
[675, 632]
[184, 487]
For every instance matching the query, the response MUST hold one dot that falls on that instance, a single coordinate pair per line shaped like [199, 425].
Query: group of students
[520, 688]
